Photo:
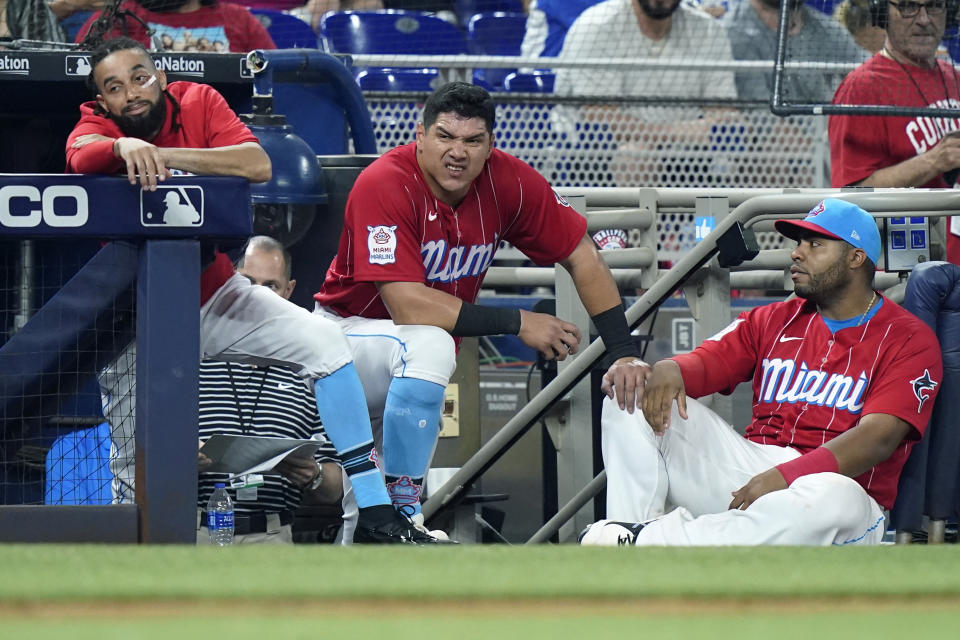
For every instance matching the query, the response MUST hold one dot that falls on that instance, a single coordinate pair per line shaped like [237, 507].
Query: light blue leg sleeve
[343, 410]
[411, 422]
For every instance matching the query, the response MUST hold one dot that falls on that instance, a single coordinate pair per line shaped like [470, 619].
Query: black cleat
[382, 524]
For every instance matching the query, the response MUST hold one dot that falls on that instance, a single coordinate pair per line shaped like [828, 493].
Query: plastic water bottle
[220, 516]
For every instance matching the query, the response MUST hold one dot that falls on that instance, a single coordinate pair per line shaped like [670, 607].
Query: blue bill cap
[840, 220]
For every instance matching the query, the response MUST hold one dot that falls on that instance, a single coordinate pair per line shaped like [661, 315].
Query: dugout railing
[707, 288]
[161, 257]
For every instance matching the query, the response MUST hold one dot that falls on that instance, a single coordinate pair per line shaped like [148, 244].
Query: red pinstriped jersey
[395, 230]
[810, 384]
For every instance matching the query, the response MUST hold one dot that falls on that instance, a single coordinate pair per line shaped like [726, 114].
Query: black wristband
[612, 327]
[479, 320]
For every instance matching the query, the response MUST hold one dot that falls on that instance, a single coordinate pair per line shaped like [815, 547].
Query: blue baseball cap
[840, 220]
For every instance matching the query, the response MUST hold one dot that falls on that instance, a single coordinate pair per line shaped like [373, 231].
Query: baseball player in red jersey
[844, 383]
[421, 228]
[143, 126]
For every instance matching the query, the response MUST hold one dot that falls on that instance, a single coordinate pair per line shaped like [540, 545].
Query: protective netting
[54, 442]
[651, 146]
[902, 56]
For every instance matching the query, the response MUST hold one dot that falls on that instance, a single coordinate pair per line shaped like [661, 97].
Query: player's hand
[664, 386]
[759, 485]
[551, 336]
[299, 471]
[87, 138]
[627, 377]
[142, 159]
[203, 462]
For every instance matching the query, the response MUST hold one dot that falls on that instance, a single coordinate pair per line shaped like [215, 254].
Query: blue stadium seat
[826, 6]
[287, 31]
[390, 32]
[951, 42]
[466, 9]
[495, 34]
[534, 82]
[397, 79]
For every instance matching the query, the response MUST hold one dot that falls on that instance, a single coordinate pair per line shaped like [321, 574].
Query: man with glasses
[899, 151]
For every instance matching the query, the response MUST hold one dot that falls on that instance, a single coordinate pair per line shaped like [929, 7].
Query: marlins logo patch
[404, 491]
[923, 388]
[610, 239]
[382, 244]
[817, 210]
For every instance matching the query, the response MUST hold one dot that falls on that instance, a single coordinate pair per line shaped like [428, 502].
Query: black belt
[252, 522]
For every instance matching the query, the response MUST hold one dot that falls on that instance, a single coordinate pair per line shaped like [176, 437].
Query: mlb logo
[245, 70]
[172, 206]
[76, 65]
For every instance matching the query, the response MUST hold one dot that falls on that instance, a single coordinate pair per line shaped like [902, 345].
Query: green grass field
[489, 592]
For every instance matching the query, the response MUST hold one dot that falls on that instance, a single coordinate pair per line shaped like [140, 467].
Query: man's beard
[824, 288]
[146, 125]
[658, 12]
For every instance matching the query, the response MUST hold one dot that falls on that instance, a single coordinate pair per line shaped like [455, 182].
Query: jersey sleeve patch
[923, 387]
[382, 244]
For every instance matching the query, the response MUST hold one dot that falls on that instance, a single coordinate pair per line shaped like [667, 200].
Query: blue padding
[77, 468]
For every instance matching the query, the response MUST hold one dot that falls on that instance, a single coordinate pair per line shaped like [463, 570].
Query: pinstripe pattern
[285, 408]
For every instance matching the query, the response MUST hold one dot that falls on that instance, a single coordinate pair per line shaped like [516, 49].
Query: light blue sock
[343, 410]
[411, 422]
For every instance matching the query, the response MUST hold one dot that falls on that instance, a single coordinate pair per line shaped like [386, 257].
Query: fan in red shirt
[900, 151]
[143, 127]
[844, 383]
[187, 25]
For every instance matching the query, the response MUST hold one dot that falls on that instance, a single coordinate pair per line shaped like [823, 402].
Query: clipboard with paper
[241, 455]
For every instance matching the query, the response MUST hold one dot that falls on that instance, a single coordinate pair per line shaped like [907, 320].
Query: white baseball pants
[248, 323]
[698, 463]
[383, 351]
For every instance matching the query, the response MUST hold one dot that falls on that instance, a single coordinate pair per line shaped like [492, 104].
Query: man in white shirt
[636, 29]
[657, 144]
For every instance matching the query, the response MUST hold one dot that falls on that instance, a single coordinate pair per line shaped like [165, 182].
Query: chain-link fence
[55, 445]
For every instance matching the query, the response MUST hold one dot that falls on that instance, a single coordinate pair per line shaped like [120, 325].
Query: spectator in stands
[38, 19]
[271, 401]
[752, 25]
[902, 151]
[183, 22]
[141, 126]
[547, 25]
[643, 29]
[855, 16]
[625, 29]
